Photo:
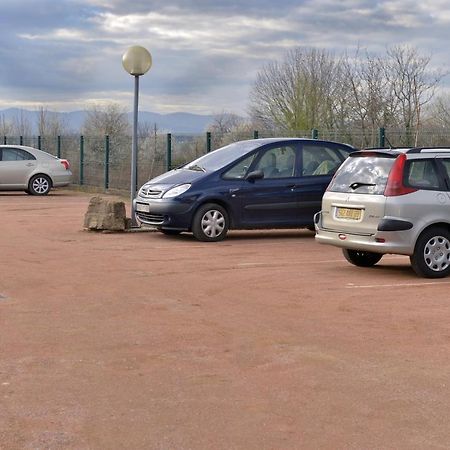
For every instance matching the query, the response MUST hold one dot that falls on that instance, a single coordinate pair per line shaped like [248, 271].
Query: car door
[271, 200]
[319, 162]
[16, 165]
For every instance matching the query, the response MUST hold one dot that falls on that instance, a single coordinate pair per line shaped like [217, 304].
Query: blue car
[259, 183]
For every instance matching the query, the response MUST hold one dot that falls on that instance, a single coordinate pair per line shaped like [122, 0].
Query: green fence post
[255, 134]
[169, 152]
[106, 162]
[314, 134]
[21, 140]
[381, 137]
[208, 141]
[39, 142]
[81, 160]
[58, 146]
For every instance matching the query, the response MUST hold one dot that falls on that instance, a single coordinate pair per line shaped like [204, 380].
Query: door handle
[30, 164]
[233, 190]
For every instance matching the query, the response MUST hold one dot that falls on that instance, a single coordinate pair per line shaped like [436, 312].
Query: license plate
[142, 207]
[348, 213]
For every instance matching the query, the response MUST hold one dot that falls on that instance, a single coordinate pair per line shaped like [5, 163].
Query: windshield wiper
[358, 184]
[196, 167]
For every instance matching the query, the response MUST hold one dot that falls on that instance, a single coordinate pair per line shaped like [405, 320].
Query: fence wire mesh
[105, 162]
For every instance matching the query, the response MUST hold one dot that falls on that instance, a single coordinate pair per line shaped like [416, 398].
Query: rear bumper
[60, 180]
[397, 242]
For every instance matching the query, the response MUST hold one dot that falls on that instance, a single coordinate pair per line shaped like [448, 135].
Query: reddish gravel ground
[263, 341]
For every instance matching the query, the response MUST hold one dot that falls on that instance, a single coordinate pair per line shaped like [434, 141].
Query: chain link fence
[105, 162]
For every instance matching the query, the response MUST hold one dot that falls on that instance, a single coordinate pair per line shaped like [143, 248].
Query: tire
[39, 185]
[431, 257]
[210, 223]
[27, 191]
[361, 258]
[170, 232]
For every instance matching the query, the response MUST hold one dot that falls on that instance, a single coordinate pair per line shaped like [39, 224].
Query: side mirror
[255, 175]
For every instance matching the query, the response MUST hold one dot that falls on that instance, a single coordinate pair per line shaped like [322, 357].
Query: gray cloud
[68, 52]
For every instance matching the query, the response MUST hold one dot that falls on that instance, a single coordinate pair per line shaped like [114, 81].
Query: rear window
[362, 175]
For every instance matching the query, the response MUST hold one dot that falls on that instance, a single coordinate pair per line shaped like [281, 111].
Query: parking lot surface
[263, 341]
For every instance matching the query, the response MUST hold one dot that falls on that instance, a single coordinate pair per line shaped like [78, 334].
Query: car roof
[34, 151]
[406, 150]
[264, 141]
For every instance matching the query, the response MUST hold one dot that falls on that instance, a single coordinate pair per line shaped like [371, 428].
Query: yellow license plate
[348, 213]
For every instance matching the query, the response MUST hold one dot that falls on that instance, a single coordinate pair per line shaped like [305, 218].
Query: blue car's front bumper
[165, 213]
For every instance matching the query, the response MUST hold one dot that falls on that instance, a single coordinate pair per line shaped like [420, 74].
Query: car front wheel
[39, 185]
[210, 223]
[431, 257]
[361, 258]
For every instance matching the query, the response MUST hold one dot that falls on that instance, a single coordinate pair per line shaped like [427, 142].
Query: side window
[239, 170]
[446, 164]
[422, 174]
[344, 152]
[16, 154]
[278, 162]
[319, 160]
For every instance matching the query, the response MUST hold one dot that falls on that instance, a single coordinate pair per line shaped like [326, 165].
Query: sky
[67, 54]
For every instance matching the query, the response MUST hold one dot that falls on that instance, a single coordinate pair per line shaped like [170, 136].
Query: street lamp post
[136, 61]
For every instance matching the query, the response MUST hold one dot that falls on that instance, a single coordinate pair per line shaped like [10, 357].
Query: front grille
[150, 192]
[153, 219]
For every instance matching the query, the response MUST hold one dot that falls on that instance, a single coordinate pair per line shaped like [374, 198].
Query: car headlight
[177, 190]
[141, 189]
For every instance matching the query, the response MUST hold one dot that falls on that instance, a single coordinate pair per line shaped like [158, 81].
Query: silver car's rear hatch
[352, 213]
[355, 202]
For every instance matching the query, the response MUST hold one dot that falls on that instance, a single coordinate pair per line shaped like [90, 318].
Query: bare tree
[151, 149]
[224, 122]
[49, 123]
[439, 112]
[300, 93]
[224, 128]
[5, 126]
[21, 125]
[370, 101]
[413, 84]
[109, 119]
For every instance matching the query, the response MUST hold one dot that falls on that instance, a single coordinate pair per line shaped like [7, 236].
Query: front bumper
[396, 242]
[164, 213]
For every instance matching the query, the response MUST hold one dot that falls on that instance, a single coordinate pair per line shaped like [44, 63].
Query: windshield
[221, 157]
[362, 175]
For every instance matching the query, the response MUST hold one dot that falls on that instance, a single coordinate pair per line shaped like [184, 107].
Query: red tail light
[394, 185]
[65, 163]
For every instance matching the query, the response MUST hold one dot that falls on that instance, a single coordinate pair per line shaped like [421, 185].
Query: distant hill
[170, 123]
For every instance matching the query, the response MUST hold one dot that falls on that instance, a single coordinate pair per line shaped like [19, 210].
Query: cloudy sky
[65, 54]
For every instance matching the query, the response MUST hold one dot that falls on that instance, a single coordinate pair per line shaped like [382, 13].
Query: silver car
[31, 170]
[390, 201]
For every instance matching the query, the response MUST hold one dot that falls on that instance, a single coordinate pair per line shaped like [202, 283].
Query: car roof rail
[430, 149]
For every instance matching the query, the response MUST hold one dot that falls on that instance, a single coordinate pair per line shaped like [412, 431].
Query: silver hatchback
[390, 201]
[31, 170]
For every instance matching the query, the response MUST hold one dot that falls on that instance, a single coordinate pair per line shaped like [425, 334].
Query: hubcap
[437, 253]
[213, 223]
[40, 185]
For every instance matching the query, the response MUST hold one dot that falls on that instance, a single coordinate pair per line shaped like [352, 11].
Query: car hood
[176, 176]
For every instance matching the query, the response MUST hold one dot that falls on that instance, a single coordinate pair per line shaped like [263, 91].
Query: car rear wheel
[39, 185]
[210, 223]
[361, 258]
[431, 257]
